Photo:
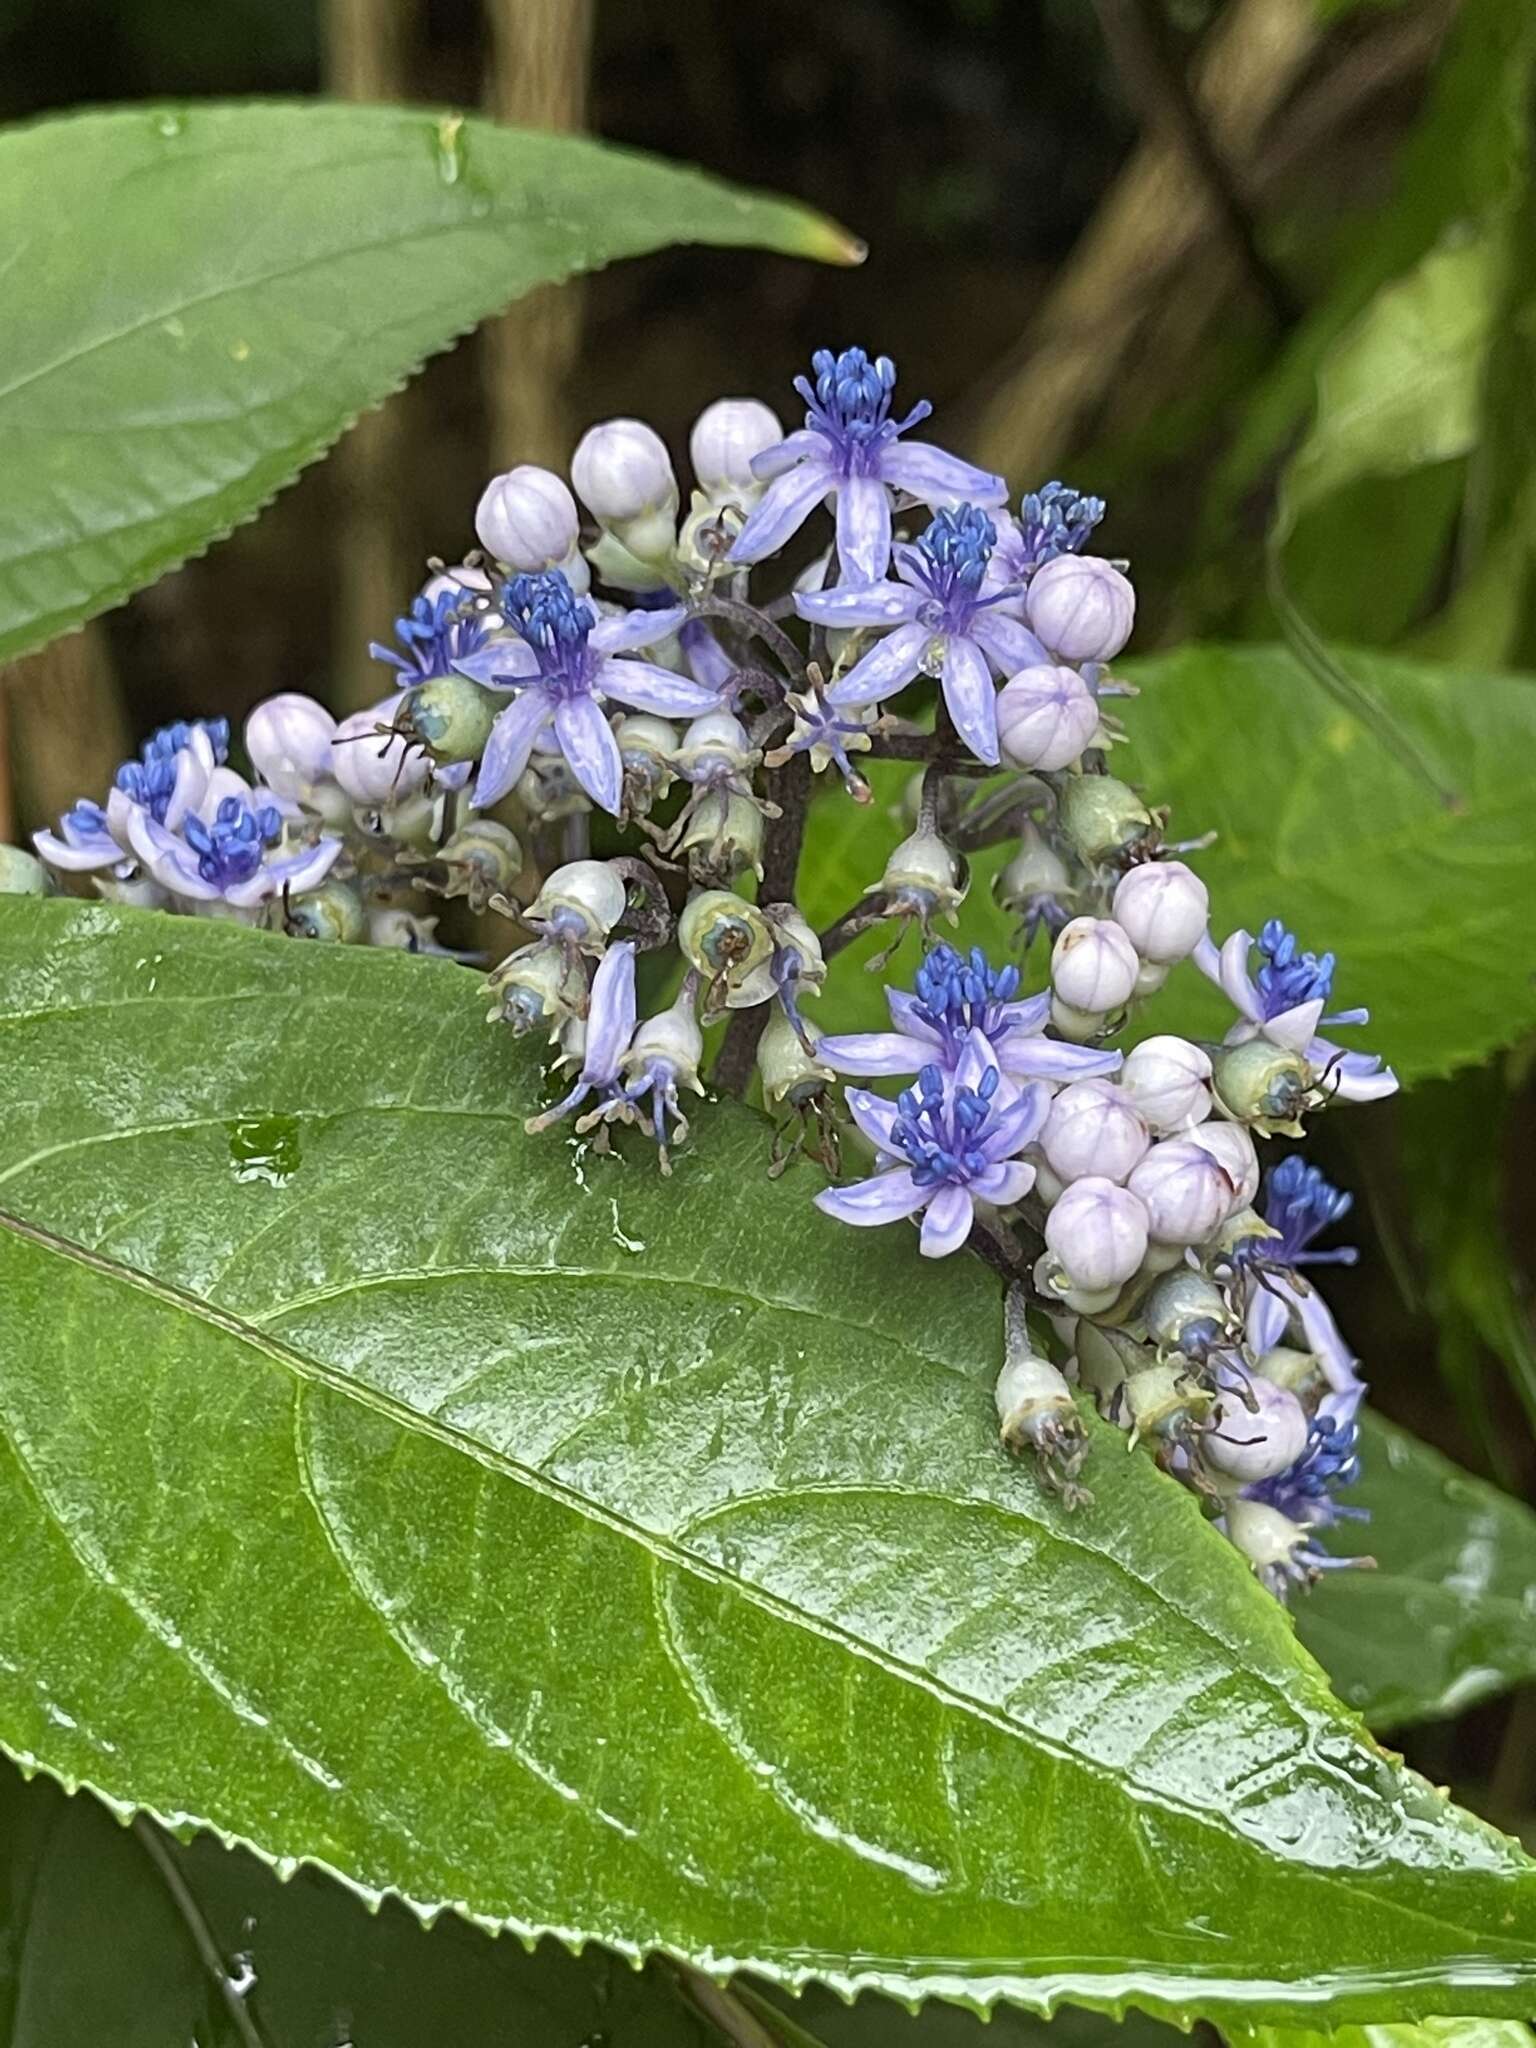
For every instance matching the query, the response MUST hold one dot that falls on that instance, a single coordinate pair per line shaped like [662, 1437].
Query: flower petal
[510, 744]
[169, 859]
[500, 662]
[297, 872]
[875, 1052]
[1018, 1125]
[948, 1222]
[1009, 644]
[1295, 1028]
[799, 446]
[1004, 1184]
[976, 1057]
[708, 660]
[884, 1198]
[907, 1015]
[1052, 1059]
[1351, 1076]
[1233, 976]
[884, 670]
[784, 508]
[859, 604]
[1028, 1014]
[646, 686]
[623, 630]
[863, 528]
[610, 1014]
[873, 1115]
[587, 742]
[939, 478]
[971, 697]
[84, 853]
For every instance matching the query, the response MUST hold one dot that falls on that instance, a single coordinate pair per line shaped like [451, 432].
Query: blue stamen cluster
[1301, 1203]
[941, 1131]
[851, 399]
[230, 849]
[544, 611]
[1056, 520]
[955, 549]
[1288, 976]
[957, 993]
[1330, 1461]
[150, 781]
[434, 634]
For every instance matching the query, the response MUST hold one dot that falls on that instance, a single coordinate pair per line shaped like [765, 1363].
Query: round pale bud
[374, 766]
[450, 716]
[725, 437]
[1232, 1147]
[1167, 1080]
[527, 519]
[1262, 1083]
[717, 741]
[1186, 1192]
[1250, 1447]
[1045, 717]
[1164, 908]
[1098, 1231]
[288, 738]
[1092, 1129]
[621, 470]
[1094, 965]
[1102, 817]
[1082, 607]
[1187, 1312]
[581, 902]
[20, 874]
[333, 913]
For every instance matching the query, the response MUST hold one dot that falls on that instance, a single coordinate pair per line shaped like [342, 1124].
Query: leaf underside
[508, 1529]
[238, 283]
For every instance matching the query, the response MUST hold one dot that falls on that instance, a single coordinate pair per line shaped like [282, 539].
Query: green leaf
[126, 1937]
[1448, 1618]
[507, 1527]
[238, 283]
[1428, 908]
[1435, 2033]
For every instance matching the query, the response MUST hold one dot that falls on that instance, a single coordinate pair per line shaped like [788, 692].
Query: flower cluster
[604, 662]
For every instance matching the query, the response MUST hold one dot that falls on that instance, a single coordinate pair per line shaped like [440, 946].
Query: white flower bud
[717, 740]
[1167, 1080]
[1092, 1129]
[1164, 908]
[725, 437]
[527, 518]
[1093, 965]
[1252, 1447]
[1045, 717]
[1186, 1192]
[1081, 607]
[582, 902]
[621, 470]
[1102, 817]
[371, 766]
[1233, 1149]
[288, 738]
[1098, 1230]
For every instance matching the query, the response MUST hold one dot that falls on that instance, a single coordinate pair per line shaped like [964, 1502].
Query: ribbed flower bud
[579, 903]
[1232, 1147]
[1253, 1446]
[725, 437]
[1185, 1192]
[333, 914]
[450, 716]
[1092, 1129]
[1098, 1230]
[1164, 908]
[1261, 1083]
[20, 874]
[1167, 1078]
[623, 474]
[1045, 717]
[1102, 817]
[1082, 607]
[527, 519]
[1093, 965]
[288, 738]
[375, 767]
[722, 934]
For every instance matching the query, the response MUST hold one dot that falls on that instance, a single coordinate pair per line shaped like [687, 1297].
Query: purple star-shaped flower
[1284, 1002]
[940, 624]
[226, 850]
[954, 997]
[563, 666]
[944, 1145]
[850, 449]
[167, 781]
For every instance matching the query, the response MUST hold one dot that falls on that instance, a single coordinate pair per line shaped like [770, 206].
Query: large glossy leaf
[1435, 2033]
[1449, 1615]
[512, 1529]
[128, 1938]
[237, 283]
[1427, 907]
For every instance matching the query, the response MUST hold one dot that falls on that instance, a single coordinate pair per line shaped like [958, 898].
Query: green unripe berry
[450, 716]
